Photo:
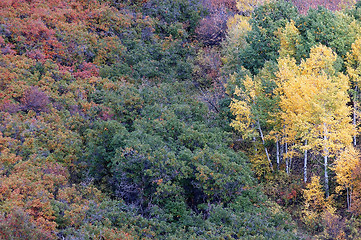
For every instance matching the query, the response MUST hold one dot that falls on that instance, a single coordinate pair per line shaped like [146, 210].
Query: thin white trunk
[286, 159]
[326, 153]
[354, 116]
[281, 153]
[263, 142]
[290, 162]
[305, 165]
[348, 199]
[278, 154]
[326, 176]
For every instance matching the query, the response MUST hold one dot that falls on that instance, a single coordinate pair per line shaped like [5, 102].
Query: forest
[180, 119]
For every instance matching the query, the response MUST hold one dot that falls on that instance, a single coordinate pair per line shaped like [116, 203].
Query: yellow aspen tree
[353, 64]
[291, 104]
[345, 164]
[289, 37]
[246, 111]
[314, 195]
[314, 203]
[237, 28]
[313, 101]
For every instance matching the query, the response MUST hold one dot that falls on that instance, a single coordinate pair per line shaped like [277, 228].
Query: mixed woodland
[180, 119]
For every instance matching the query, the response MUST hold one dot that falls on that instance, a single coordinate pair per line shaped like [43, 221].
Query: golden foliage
[313, 101]
[249, 5]
[289, 39]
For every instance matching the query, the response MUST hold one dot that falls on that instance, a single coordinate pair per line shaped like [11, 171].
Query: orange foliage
[31, 186]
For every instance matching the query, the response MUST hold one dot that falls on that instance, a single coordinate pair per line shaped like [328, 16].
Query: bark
[354, 115]
[286, 159]
[305, 165]
[348, 199]
[278, 154]
[326, 176]
[263, 142]
[326, 153]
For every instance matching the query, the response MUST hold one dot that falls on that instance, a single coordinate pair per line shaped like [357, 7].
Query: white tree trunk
[263, 142]
[354, 121]
[305, 165]
[326, 153]
[348, 199]
[278, 154]
[286, 160]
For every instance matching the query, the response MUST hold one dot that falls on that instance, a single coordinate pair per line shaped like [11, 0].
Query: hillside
[179, 119]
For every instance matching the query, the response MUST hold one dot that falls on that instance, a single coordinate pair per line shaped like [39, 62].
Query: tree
[289, 37]
[345, 165]
[250, 108]
[353, 64]
[263, 44]
[332, 29]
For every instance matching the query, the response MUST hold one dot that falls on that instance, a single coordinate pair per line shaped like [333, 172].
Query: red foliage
[356, 196]
[36, 54]
[87, 70]
[106, 114]
[208, 66]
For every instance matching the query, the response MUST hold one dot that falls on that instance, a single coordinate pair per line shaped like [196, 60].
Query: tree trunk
[278, 154]
[354, 115]
[326, 176]
[350, 196]
[348, 199]
[286, 159]
[305, 165]
[326, 153]
[263, 142]
[281, 152]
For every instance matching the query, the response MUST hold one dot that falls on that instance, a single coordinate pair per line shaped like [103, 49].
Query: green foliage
[263, 44]
[236, 221]
[334, 30]
[170, 12]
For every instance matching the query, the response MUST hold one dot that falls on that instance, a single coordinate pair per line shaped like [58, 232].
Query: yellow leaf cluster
[249, 5]
[313, 101]
[289, 37]
[314, 195]
[353, 62]
[344, 166]
[242, 108]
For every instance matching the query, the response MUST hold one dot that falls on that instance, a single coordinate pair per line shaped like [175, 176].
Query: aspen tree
[353, 64]
[345, 164]
[247, 113]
